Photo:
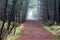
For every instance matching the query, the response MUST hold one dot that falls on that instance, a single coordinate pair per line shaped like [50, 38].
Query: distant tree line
[50, 10]
[20, 9]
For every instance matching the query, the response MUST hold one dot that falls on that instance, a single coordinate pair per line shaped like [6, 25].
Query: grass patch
[53, 29]
[17, 34]
[11, 36]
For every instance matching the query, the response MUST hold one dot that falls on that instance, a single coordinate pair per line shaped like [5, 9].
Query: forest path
[34, 30]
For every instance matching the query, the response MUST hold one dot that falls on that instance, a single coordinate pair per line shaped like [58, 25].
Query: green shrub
[49, 23]
[52, 29]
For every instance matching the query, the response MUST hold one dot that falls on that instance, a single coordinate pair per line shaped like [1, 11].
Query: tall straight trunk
[11, 15]
[57, 10]
[23, 19]
[4, 19]
[21, 5]
[5, 16]
[48, 10]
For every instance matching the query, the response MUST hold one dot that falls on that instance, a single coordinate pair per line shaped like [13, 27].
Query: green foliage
[10, 2]
[49, 23]
[33, 2]
[19, 30]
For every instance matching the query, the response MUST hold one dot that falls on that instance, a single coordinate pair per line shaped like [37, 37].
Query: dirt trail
[34, 30]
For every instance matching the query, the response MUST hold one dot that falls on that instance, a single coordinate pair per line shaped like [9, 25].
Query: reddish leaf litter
[34, 30]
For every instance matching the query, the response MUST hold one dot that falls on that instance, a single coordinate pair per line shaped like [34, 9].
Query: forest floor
[34, 30]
